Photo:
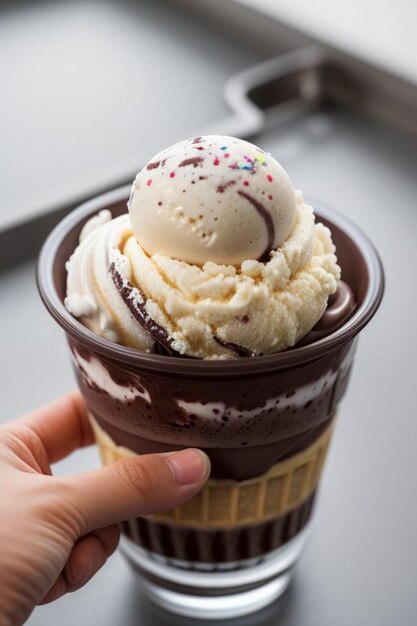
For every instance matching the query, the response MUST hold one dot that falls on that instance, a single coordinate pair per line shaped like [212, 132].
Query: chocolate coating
[339, 308]
[215, 546]
[272, 415]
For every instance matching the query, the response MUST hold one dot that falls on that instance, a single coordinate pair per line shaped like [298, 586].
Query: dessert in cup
[213, 306]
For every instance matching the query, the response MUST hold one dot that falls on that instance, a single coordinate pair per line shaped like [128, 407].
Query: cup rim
[201, 367]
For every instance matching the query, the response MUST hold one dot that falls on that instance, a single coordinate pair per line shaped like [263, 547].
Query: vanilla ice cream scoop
[212, 198]
[219, 257]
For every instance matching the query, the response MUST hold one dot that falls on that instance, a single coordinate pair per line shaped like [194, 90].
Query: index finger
[62, 426]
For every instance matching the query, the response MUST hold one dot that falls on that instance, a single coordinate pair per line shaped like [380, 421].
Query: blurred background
[90, 90]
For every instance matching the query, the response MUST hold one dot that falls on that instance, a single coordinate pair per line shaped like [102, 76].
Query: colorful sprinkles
[245, 163]
[205, 158]
[260, 158]
[248, 163]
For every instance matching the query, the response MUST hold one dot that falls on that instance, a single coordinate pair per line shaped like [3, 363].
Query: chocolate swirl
[135, 300]
[267, 218]
[339, 308]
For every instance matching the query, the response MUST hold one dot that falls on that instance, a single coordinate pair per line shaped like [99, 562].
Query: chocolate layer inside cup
[219, 546]
[246, 423]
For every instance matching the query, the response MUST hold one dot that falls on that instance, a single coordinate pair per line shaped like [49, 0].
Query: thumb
[137, 486]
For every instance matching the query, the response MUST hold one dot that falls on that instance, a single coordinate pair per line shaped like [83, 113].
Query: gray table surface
[91, 89]
[361, 564]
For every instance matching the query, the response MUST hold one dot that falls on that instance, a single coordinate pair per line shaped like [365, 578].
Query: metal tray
[324, 116]
[270, 92]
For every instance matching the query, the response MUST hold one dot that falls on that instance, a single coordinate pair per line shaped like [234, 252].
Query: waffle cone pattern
[224, 504]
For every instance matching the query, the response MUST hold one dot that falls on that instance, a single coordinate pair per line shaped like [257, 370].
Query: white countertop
[382, 32]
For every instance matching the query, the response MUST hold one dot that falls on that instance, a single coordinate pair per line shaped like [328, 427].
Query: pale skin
[57, 532]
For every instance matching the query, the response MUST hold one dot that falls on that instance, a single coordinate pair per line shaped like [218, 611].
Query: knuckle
[139, 478]
[64, 510]
[108, 539]
[10, 441]
[21, 441]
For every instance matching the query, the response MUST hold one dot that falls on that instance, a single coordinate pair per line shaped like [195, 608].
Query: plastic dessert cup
[266, 423]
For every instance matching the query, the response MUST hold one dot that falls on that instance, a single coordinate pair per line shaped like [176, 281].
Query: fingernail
[189, 466]
[74, 575]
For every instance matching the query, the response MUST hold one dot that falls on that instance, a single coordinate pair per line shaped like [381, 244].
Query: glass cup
[265, 422]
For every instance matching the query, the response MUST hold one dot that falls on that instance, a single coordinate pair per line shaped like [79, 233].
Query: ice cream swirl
[211, 311]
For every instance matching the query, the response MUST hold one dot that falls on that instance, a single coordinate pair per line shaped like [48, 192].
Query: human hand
[56, 532]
